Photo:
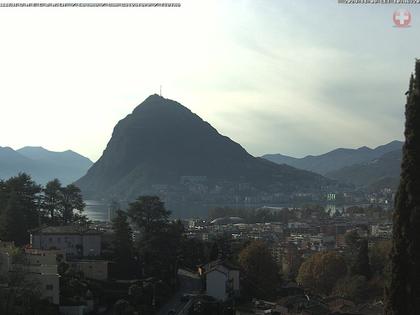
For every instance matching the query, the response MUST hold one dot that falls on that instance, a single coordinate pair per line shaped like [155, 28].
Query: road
[189, 283]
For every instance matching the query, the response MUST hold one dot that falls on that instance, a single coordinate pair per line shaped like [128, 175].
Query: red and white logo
[402, 18]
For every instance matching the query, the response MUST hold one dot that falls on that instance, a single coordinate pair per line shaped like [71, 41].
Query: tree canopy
[321, 271]
[62, 205]
[260, 270]
[148, 213]
[25, 205]
[19, 208]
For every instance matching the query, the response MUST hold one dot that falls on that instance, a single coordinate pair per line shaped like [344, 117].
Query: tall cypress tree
[403, 293]
[123, 243]
[362, 265]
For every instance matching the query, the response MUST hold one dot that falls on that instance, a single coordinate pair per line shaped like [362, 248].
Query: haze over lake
[96, 210]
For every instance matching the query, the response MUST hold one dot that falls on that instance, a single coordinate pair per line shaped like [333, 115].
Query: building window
[49, 287]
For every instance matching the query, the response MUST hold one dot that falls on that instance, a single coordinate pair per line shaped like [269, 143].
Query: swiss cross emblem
[402, 18]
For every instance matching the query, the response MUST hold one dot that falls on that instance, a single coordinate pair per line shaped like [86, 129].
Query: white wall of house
[42, 267]
[73, 310]
[43, 257]
[91, 245]
[39, 269]
[92, 269]
[216, 284]
[48, 285]
[222, 282]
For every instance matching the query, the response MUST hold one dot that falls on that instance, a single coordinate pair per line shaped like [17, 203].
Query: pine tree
[72, 205]
[19, 208]
[149, 214]
[403, 293]
[51, 202]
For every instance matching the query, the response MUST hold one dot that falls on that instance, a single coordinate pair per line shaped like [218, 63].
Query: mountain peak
[153, 98]
[162, 143]
[364, 148]
[42, 164]
[32, 148]
[38, 152]
[336, 159]
[160, 105]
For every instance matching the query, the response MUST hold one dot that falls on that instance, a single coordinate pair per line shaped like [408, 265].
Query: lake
[96, 210]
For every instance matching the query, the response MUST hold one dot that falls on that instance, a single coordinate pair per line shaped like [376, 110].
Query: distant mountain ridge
[43, 165]
[380, 172]
[336, 159]
[162, 142]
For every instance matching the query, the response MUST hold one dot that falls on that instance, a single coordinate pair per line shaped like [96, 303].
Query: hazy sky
[291, 77]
